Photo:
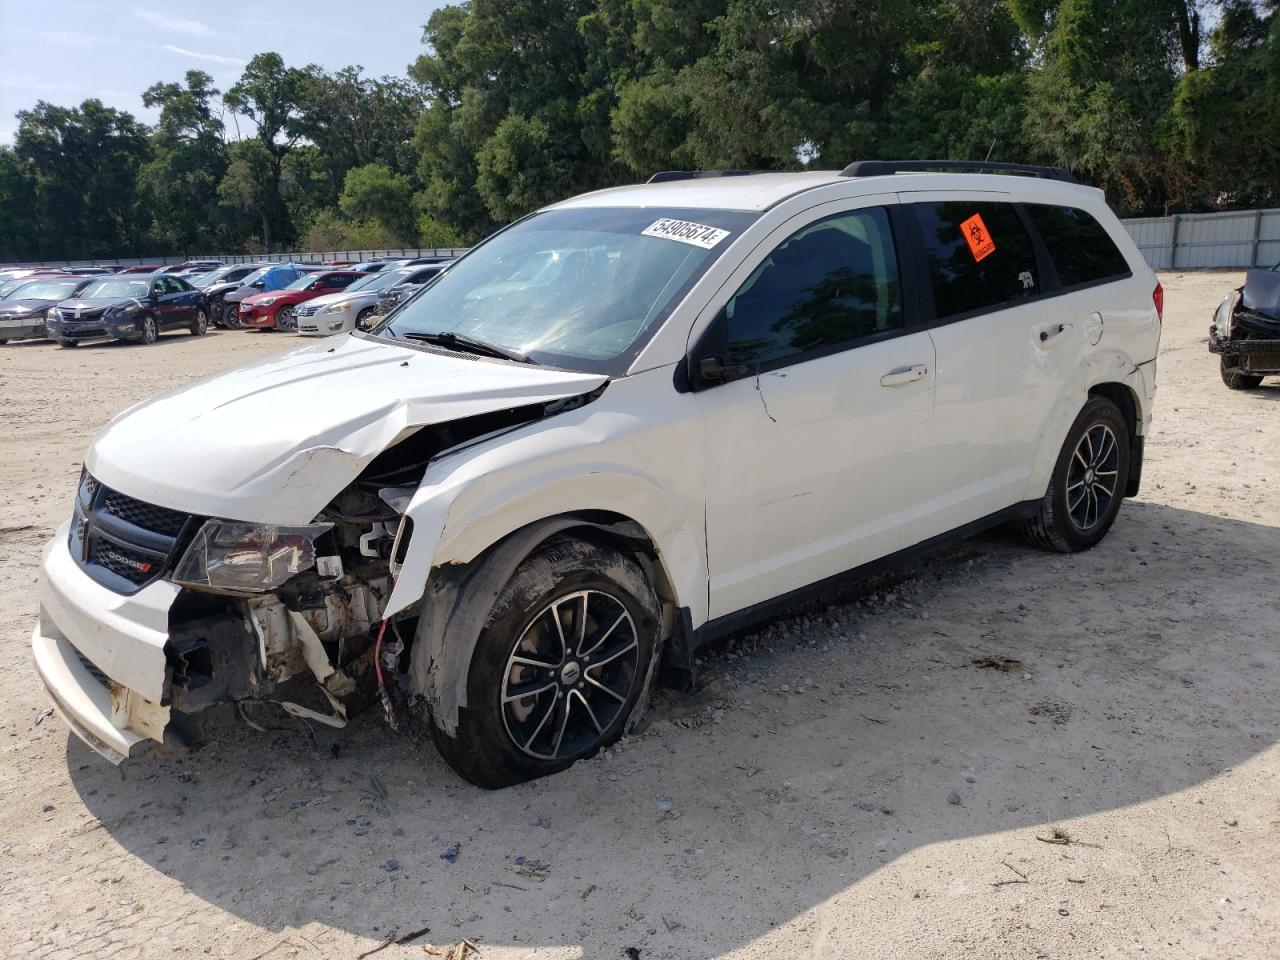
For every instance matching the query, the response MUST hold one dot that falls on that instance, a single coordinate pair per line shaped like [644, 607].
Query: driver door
[816, 388]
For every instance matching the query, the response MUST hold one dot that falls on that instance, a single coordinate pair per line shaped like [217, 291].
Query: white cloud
[177, 24]
[210, 57]
[72, 38]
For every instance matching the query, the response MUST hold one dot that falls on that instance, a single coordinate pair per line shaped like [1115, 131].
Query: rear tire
[1235, 379]
[581, 700]
[1088, 482]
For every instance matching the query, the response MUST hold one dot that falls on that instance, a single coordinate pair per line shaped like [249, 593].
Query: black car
[1245, 332]
[22, 313]
[413, 279]
[221, 281]
[129, 307]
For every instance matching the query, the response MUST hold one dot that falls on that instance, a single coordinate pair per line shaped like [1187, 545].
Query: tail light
[1157, 297]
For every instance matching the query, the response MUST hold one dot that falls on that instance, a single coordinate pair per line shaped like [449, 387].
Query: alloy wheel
[1092, 477]
[150, 333]
[570, 675]
[202, 322]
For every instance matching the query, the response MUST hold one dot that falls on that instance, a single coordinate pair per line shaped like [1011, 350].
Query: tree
[269, 94]
[84, 161]
[179, 184]
[373, 193]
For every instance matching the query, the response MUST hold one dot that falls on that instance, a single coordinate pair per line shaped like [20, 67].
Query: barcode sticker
[696, 234]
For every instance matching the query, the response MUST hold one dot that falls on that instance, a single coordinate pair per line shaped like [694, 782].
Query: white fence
[1207, 241]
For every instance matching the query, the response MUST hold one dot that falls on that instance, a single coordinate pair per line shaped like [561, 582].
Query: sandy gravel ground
[850, 784]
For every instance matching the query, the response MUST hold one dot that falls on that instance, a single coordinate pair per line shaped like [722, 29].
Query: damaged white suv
[617, 429]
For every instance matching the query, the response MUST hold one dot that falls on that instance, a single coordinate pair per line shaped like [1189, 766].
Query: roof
[760, 191]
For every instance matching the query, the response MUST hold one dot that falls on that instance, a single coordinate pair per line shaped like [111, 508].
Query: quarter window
[831, 283]
[980, 256]
[1082, 250]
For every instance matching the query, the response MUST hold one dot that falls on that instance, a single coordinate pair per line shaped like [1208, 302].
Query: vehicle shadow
[1141, 670]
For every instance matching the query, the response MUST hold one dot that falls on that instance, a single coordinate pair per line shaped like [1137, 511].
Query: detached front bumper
[101, 656]
[1251, 354]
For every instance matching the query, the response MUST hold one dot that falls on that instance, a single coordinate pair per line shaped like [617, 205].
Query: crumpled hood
[273, 441]
[1261, 292]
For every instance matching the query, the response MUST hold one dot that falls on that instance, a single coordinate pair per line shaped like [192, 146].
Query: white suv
[615, 430]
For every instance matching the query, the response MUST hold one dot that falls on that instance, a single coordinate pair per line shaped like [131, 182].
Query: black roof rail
[666, 176]
[879, 168]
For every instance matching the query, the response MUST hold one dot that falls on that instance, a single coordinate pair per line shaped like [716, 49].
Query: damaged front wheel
[562, 665]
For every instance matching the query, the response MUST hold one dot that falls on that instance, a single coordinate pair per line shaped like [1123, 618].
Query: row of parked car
[139, 303]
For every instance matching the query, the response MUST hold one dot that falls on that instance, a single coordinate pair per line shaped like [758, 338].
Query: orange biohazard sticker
[977, 237]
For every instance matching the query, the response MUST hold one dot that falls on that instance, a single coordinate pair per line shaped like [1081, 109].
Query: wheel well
[1124, 398]
[621, 532]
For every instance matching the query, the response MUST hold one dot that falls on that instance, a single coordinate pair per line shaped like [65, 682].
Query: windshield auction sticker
[697, 234]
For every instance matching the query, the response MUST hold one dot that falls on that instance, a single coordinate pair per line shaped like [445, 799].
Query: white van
[618, 428]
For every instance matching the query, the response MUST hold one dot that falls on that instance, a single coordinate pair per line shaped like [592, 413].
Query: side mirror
[713, 369]
[259, 284]
[317, 285]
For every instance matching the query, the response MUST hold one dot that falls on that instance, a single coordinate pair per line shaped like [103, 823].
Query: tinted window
[338, 280]
[980, 256]
[1081, 249]
[832, 282]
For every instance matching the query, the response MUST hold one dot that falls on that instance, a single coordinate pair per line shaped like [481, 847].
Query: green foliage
[374, 193]
[512, 106]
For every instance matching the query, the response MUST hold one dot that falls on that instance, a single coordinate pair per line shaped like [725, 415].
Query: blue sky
[66, 52]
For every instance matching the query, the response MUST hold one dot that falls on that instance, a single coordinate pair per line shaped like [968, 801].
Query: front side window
[834, 282]
[979, 254]
[583, 288]
[1081, 249]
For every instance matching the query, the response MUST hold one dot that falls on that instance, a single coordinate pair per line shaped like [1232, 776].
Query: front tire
[231, 316]
[362, 321]
[560, 667]
[1088, 482]
[1235, 379]
[150, 330]
[201, 324]
[284, 319]
[64, 342]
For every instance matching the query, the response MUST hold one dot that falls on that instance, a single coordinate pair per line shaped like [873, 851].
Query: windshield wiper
[460, 341]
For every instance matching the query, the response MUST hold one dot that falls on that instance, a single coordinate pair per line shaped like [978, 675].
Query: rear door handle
[902, 375]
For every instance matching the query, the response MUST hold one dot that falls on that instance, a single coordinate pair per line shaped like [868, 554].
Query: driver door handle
[904, 375]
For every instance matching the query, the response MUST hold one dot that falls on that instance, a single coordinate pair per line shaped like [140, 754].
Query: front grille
[133, 565]
[124, 543]
[145, 515]
[306, 310]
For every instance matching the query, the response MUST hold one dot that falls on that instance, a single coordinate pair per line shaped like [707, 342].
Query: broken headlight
[1225, 314]
[248, 557]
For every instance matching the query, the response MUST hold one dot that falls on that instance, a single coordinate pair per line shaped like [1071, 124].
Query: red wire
[377, 653]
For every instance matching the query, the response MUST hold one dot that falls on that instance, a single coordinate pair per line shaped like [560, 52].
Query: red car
[273, 309]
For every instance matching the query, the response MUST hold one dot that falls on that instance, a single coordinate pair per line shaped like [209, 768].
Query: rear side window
[980, 256]
[1082, 251]
[833, 282]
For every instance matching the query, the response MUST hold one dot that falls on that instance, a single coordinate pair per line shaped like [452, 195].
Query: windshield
[49, 289]
[255, 276]
[9, 287]
[213, 276]
[376, 281]
[302, 282]
[116, 287]
[582, 288]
